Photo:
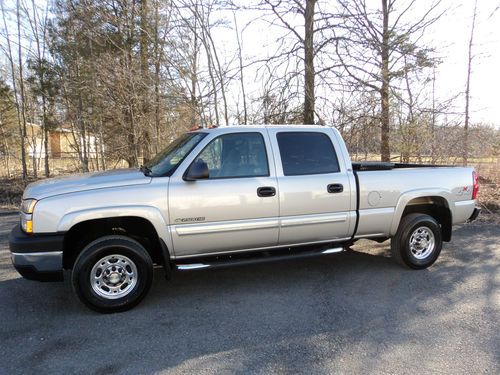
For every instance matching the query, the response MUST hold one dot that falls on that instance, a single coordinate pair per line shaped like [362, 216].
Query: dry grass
[11, 191]
[489, 188]
[489, 194]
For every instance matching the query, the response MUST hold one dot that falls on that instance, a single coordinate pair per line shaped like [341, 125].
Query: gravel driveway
[355, 312]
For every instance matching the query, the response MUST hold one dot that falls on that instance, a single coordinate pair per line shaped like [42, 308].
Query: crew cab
[232, 196]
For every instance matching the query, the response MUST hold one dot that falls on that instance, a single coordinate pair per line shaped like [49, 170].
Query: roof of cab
[264, 126]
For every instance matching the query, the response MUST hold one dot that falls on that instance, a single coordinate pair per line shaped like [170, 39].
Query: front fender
[406, 197]
[152, 214]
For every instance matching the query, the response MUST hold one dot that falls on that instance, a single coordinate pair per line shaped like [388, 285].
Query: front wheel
[112, 274]
[418, 241]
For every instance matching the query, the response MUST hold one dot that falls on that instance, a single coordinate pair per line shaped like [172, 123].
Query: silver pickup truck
[232, 196]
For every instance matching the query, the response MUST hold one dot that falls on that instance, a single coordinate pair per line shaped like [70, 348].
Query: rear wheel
[418, 241]
[112, 274]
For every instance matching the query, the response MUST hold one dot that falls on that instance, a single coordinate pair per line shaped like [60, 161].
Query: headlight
[28, 205]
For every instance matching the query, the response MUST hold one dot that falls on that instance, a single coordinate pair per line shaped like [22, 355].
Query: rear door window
[304, 153]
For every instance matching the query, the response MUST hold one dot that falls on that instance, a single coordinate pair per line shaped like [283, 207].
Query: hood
[85, 181]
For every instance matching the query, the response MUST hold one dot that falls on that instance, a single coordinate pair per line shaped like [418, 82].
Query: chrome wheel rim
[422, 243]
[114, 276]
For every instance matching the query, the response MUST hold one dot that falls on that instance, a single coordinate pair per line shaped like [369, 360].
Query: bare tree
[19, 103]
[470, 57]
[309, 75]
[8, 124]
[241, 67]
[372, 46]
[41, 78]
[21, 77]
[311, 38]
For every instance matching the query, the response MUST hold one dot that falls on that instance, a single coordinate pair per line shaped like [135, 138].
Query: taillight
[475, 185]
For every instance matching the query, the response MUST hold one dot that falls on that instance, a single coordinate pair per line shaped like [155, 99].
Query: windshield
[165, 162]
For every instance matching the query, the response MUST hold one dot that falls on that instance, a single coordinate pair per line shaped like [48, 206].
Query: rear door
[315, 191]
[237, 207]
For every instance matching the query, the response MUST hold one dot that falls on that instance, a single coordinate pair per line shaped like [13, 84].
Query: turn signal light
[29, 226]
[27, 223]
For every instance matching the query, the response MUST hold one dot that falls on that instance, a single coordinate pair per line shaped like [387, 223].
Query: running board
[231, 262]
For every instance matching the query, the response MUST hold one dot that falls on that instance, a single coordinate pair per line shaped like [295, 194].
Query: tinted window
[307, 153]
[236, 155]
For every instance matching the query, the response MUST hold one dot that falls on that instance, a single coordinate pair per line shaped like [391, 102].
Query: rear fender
[408, 196]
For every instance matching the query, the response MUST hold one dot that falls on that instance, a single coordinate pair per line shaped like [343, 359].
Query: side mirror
[197, 171]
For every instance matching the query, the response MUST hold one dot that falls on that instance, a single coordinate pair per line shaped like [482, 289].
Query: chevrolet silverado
[231, 196]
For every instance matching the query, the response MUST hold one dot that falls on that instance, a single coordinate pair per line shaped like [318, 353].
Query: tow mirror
[197, 171]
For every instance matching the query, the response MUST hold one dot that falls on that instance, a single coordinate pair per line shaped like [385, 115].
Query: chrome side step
[260, 258]
[192, 266]
[333, 250]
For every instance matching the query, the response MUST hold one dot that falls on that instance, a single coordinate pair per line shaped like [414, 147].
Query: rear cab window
[306, 153]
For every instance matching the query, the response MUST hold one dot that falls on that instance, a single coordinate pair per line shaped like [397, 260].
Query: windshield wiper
[146, 170]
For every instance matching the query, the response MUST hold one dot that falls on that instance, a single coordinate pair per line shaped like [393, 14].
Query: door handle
[266, 191]
[335, 188]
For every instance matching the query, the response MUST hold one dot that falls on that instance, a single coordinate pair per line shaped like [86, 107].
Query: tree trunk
[220, 75]
[433, 120]
[385, 152]
[82, 129]
[45, 139]
[22, 130]
[309, 63]
[101, 147]
[21, 78]
[212, 79]
[144, 54]
[194, 73]
[41, 78]
[35, 150]
[133, 158]
[157, 54]
[194, 80]
[242, 82]
[467, 89]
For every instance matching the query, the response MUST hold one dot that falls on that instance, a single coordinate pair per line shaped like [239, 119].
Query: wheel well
[85, 232]
[437, 207]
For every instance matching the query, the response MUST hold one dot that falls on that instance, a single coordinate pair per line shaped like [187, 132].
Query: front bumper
[37, 256]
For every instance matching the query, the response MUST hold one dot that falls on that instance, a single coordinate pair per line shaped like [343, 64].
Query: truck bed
[382, 186]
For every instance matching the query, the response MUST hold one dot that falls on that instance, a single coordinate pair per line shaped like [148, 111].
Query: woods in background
[122, 78]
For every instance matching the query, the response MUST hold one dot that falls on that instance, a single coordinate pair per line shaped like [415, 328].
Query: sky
[452, 33]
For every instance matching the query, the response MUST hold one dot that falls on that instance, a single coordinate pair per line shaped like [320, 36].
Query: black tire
[401, 248]
[132, 254]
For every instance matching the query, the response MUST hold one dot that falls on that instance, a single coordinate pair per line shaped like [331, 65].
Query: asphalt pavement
[355, 312]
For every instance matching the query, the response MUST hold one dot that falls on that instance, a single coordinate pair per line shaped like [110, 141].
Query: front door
[236, 208]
